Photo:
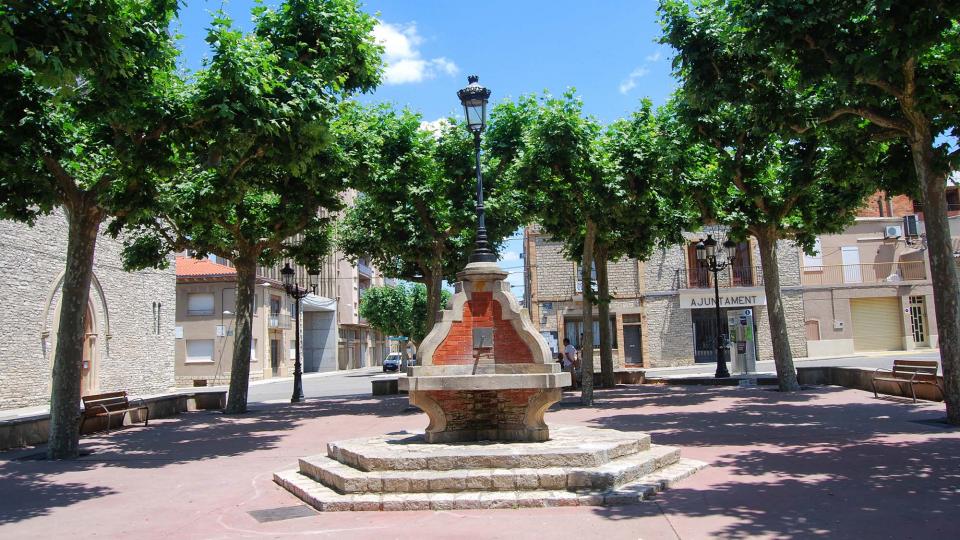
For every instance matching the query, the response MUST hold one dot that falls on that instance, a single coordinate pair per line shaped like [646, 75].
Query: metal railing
[278, 320]
[732, 276]
[892, 272]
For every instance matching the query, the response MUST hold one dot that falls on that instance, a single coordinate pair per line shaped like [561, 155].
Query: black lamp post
[298, 293]
[707, 253]
[474, 99]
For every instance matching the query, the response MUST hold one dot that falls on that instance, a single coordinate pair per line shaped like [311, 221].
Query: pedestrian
[569, 361]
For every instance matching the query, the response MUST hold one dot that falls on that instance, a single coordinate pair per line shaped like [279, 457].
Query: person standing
[570, 360]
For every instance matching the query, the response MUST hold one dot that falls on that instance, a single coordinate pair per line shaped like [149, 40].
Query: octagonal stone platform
[401, 471]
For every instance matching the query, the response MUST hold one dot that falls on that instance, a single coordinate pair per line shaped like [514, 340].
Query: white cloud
[655, 57]
[631, 81]
[510, 256]
[401, 53]
[434, 126]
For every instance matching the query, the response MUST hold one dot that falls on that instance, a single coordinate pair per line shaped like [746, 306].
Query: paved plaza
[826, 461]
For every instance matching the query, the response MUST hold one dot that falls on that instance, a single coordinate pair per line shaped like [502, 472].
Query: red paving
[826, 462]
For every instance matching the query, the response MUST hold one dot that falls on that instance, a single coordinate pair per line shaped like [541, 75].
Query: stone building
[662, 309]
[130, 317]
[865, 289]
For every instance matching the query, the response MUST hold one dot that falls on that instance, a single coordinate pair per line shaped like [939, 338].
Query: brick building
[130, 317]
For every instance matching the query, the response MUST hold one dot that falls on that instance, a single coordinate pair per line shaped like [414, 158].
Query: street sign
[397, 338]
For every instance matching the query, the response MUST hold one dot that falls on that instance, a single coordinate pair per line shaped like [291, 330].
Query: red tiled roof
[188, 267]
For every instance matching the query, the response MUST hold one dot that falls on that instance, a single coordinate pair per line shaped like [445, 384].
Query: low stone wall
[860, 378]
[35, 429]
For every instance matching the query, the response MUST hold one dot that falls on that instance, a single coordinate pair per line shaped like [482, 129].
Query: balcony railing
[278, 320]
[735, 276]
[892, 272]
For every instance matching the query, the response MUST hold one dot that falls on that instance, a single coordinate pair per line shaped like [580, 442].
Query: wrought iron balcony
[731, 276]
[851, 274]
[278, 320]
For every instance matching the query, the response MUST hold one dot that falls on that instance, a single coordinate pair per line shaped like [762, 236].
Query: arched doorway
[88, 372]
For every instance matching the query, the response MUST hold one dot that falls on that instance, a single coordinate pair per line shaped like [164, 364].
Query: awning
[313, 302]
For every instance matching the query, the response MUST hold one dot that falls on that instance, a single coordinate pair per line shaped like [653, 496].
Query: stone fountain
[486, 377]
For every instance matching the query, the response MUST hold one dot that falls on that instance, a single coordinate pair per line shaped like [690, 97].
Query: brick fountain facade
[485, 380]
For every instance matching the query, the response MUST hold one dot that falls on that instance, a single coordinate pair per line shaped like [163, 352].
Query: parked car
[392, 362]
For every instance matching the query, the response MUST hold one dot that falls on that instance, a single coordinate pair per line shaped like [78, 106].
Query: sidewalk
[40, 410]
[826, 462]
[767, 367]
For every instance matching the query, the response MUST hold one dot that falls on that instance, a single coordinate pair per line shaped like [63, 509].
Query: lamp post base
[483, 256]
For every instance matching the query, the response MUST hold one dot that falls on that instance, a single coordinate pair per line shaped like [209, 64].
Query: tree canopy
[85, 87]
[264, 149]
[414, 216]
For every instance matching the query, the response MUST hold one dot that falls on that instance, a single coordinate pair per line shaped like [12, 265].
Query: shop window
[573, 329]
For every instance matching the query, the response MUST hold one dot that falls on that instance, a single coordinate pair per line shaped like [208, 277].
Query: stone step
[325, 499]
[569, 446]
[617, 472]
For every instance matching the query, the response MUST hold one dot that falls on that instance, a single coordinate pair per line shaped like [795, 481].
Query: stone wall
[133, 316]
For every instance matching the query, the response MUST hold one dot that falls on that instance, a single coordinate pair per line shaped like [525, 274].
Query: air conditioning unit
[911, 226]
[892, 231]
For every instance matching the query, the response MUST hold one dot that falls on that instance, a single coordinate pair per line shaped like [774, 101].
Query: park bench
[108, 405]
[911, 372]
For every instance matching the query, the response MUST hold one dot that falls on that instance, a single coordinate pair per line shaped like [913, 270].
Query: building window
[276, 303]
[814, 263]
[253, 350]
[199, 350]
[200, 304]
[573, 329]
[579, 277]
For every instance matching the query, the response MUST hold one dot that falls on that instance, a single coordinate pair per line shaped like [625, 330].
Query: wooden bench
[911, 372]
[110, 404]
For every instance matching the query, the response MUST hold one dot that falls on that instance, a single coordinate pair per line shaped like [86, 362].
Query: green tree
[85, 89]
[760, 179]
[603, 193]
[399, 310]
[265, 149]
[894, 65]
[414, 217]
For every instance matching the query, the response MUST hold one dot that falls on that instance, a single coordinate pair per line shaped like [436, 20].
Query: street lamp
[298, 293]
[707, 254]
[474, 100]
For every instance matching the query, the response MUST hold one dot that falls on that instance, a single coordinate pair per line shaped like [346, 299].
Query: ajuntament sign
[739, 297]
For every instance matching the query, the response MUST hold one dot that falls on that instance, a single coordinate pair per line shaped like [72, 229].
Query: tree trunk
[603, 311]
[240, 369]
[943, 272]
[434, 283]
[84, 224]
[782, 356]
[586, 343]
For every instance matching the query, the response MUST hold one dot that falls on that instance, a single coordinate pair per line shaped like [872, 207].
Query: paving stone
[568, 446]
[500, 499]
[467, 500]
[327, 483]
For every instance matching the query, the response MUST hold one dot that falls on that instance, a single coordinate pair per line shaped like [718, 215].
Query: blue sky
[605, 49]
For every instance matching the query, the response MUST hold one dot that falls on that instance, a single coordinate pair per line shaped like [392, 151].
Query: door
[632, 352]
[918, 320]
[705, 334]
[877, 325]
[851, 264]
[87, 378]
[275, 357]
